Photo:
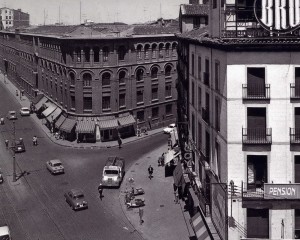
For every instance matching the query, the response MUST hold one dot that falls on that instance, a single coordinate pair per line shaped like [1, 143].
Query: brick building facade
[13, 18]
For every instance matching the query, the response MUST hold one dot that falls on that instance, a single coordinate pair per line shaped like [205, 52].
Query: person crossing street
[150, 171]
[100, 190]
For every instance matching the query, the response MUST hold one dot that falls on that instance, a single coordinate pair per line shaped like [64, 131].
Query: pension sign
[278, 16]
[282, 191]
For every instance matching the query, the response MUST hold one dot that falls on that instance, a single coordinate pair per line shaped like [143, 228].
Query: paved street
[35, 208]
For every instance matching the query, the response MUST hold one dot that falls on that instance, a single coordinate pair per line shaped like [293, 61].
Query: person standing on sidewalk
[100, 190]
[150, 171]
[6, 143]
[119, 140]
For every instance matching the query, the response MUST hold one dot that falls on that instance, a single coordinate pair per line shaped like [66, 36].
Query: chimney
[193, 1]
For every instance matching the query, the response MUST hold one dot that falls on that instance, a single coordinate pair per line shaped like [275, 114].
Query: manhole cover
[161, 205]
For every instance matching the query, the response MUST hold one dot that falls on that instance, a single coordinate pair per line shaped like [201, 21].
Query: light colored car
[5, 233]
[75, 198]
[19, 146]
[170, 128]
[12, 115]
[24, 111]
[55, 166]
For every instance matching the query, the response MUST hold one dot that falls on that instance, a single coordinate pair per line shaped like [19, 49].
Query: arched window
[174, 48]
[87, 79]
[105, 52]
[87, 54]
[139, 51]
[154, 71]
[147, 47]
[122, 76]
[72, 78]
[106, 79]
[96, 54]
[160, 50]
[139, 74]
[168, 71]
[121, 53]
[78, 54]
[154, 46]
[167, 49]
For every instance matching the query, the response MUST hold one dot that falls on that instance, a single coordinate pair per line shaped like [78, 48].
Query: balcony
[206, 78]
[205, 115]
[256, 92]
[295, 92]
[295, 135]
[257, 136]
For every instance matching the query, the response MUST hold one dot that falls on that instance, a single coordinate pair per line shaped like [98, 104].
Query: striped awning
[49, 110]
[170, 155]
[54, 114]
[126, 121]
[60, 121]
[108, 124]
[68, 125]
[40, 103]
[85, 125]
[199, 227]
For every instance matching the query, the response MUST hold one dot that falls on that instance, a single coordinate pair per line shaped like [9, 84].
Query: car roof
[12, 112]
[53, 161]
[18, 142]
[4, 230]
[25, 108]
[76, 191]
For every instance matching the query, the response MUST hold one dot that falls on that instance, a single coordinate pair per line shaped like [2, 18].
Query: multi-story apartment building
[13, 18]
[106, 79]
[239, 93]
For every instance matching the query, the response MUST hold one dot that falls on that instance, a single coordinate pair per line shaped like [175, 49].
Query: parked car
[170, 128]
[19, 146]
[75, 198]
[55, 166]
[12, 115]
[5, 233]
[24, 111]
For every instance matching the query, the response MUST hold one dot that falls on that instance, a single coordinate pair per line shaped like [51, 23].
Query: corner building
[97, 74]
[239, 87]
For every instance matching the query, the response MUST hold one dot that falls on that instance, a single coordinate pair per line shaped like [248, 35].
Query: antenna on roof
[59, 14]
[80, 14]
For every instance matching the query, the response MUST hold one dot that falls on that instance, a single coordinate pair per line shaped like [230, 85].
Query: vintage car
[19, 146]
[12, 115]
[24, 111]
[170, 128]
[75, 198]
[55, 166]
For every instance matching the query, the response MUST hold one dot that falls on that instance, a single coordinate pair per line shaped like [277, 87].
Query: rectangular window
[106, 102]
[217, 76]
[206, 73]
[199, 99]
[87, 103]
[199, 142]
[154, 93]
[217, 115]
[297, 169]
[155, 112]
[193, 64]
[196, 22]
[257, 223]
[199, 68]
[105, 55]
[297, 82]
[122, 100]
[215, 4]
[72, 101]
[297, 223]
[256, 86]
[168, 90]
[193, 127]
[140, 96]
[193, 94]
[169, 110]
[140, 115]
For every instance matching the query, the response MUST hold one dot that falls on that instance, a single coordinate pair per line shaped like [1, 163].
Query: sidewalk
[25, 102]
[163, 219]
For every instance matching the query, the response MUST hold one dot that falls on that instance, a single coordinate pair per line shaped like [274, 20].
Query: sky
[127, 11]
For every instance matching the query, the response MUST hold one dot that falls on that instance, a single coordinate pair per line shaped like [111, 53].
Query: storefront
[171, 159]
[127, 125]
[59, 122]
[67, 129]
[86, 130]
[53, 117]
[108, 129]
[39, 105]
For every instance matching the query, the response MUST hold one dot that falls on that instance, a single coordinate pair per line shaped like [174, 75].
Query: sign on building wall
[219, 208]
[281, 191]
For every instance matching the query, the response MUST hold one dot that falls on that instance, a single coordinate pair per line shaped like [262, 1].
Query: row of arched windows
[106, 76]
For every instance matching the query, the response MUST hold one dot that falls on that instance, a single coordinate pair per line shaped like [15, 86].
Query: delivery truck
[113, 172]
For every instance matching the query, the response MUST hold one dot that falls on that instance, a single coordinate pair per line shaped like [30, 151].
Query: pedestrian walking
[176, 197]
[34, 141]
[2, 121]
[6, 143]
[150, 171]
[17, 93]
[119, 141]
[100, 190]
[141, 213]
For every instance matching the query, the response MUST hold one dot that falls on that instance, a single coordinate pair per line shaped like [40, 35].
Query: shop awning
[40, 103]
[199, 227]
[126, 121]
[49, 110]
[174, 137]
[178, 175]
[170, 155]
[60, 121]
[108, 124]
[68, 125]
[54, 114]
[85, 126]
[37, 98]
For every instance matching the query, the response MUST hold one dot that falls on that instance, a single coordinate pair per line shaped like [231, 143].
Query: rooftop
[194, 9]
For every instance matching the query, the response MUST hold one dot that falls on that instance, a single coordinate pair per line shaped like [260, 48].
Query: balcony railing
[257, 135]
[256, 92]
[206, 78]
[205, 115]
[253, 190]
[295, 135]
[295, 91]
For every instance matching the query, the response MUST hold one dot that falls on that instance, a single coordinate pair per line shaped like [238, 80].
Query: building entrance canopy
[39, 105]
[170, 155]
[60, 121]
[54, 114]
[68, 125]
[85, 125]
[126, 121]
[108, 124]
[51, 107]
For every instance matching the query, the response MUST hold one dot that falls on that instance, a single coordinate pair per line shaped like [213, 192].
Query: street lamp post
[14, 155]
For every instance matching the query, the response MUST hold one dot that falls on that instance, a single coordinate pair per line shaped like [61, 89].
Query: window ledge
[72, 109]
[169, 115]
[168, 77]
[106, 110]
[154, 100]
[122, 107]
[140, 81]
[155, 118]
[122, 84]
[88, 110]
[168, 97]
[140, 103]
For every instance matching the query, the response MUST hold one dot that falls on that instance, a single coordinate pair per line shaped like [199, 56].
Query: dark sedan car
[19, 146]
[75, 198]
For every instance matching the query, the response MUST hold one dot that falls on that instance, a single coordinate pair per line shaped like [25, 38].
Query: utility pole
[14, 154]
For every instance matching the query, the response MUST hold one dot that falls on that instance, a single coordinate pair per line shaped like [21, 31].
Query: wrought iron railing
[253, 190]
[256, 92]
[257, 135]
[295, 135]
[294, 91]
